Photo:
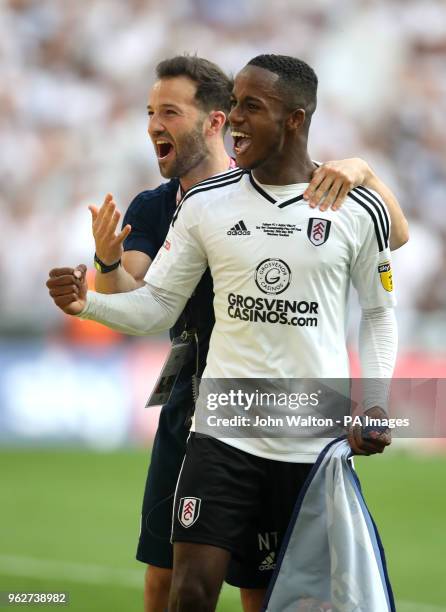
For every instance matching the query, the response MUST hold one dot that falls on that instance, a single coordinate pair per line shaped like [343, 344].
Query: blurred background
[74, 78]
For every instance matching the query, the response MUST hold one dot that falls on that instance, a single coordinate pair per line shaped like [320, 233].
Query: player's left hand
[332, 181]
[108, 240]
[370, 440]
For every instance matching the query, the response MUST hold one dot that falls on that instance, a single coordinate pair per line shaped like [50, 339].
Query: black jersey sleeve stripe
[380, 213]
[372, 213]
[200, 188]
[369, 192]
[379, 203]
[382, 221]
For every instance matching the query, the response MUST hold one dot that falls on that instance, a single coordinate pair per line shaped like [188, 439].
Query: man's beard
[191, 150]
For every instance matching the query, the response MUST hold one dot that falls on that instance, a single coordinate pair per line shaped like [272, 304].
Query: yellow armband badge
[385, 273]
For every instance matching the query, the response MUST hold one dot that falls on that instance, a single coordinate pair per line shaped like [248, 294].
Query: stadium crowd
[74, 82]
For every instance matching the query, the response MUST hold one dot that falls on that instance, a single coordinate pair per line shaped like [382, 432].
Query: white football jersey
[281, 273]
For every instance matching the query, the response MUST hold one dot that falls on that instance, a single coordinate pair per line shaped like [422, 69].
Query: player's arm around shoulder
[399, 227]
[333, 180]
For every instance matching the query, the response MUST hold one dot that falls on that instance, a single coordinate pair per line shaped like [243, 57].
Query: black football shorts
[169, 446]
[236, 501]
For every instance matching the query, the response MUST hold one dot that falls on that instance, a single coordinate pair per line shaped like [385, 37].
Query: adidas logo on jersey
[239, 229]
[268, 562]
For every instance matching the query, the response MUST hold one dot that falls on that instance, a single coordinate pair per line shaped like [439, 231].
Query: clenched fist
[370, 439]
[68, 288]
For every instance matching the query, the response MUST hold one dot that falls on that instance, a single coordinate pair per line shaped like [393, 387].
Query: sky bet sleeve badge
[318, 230]
[385, 273]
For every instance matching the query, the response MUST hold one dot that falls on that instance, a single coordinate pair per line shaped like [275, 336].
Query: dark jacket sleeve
[143, 215]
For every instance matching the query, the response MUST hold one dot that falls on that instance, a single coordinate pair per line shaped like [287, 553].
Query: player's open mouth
[163, 149]
[241, 142]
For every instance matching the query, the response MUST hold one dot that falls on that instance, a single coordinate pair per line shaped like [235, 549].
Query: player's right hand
[104, 223]
[370, 440]
[68, 288]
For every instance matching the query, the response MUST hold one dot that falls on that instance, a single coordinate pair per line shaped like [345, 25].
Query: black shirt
[150, 214]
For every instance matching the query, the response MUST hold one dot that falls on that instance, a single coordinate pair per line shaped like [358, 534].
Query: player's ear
[296, 119]
[216, 121]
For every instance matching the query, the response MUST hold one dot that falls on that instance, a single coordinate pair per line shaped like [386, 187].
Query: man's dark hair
[297, 80]
[213, 86]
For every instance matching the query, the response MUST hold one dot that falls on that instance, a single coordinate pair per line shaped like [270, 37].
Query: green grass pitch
[70, 521]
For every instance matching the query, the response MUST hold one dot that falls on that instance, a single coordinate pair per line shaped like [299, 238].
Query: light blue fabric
[331, 557]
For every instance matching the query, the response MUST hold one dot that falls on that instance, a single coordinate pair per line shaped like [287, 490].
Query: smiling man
[187, 108]
[274, 98]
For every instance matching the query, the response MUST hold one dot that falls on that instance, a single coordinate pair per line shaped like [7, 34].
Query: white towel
[331, 557]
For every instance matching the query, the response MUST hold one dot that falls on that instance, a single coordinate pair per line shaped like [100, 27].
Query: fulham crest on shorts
[189, 510]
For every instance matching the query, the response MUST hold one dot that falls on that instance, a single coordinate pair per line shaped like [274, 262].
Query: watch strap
[102, 267]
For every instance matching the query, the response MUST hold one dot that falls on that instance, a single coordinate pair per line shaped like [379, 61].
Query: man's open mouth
[241, 142]
[163, 148]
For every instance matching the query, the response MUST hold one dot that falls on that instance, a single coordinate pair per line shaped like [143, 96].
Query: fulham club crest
[189, 510]
[318, 231]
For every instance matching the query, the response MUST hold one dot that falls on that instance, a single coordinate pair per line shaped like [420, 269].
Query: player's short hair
[213, 86]
[297, 80]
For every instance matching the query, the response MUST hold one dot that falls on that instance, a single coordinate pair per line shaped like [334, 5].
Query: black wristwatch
[102, 267]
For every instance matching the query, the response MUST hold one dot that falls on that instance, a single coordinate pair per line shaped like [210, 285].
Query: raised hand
[104, 224]
[68, 288]
[332, 181]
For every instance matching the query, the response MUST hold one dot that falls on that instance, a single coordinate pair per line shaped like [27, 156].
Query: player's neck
[215, 163]
[296, 168]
